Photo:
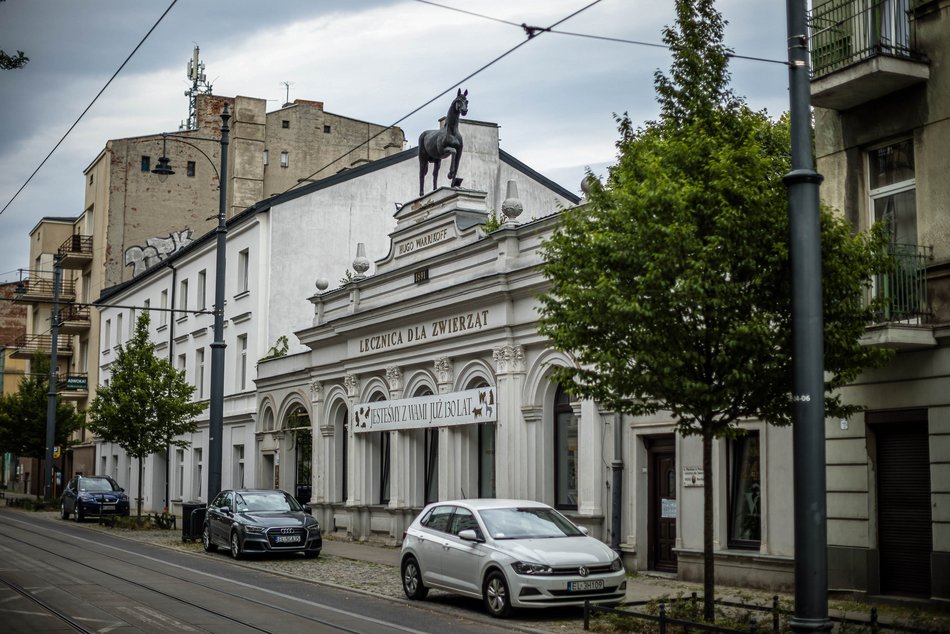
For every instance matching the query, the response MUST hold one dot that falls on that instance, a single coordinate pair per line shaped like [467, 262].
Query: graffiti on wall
[155, 250]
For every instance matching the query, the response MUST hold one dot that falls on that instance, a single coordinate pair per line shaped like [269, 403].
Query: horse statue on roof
[435, 145]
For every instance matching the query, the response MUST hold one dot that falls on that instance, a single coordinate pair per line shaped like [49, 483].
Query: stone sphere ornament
[511, 206]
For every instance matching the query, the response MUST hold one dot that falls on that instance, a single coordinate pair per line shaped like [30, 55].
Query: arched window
[431, 450]
[384, 462]
[565, 452]
[486, 451]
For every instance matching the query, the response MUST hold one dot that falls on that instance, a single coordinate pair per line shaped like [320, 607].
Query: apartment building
[881, 91]
[134, 219]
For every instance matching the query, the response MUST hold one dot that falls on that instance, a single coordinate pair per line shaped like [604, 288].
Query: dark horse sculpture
[435, 145]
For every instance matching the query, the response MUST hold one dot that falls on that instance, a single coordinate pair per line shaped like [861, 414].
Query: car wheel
[235, 545]
[311, 554]
[412, 580]
[79, 516]
[63, 512]
[206, 540]
[495, 593]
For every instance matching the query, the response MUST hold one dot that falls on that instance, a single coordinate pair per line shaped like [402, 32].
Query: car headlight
[256, 530]
[84, 497]
[527, 568]
[615, 565]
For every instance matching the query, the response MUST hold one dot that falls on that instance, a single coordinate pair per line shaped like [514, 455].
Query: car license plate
[581, 586]
[287, 539]
[108, 507]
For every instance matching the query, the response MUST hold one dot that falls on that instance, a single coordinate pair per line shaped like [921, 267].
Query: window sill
[243, 294]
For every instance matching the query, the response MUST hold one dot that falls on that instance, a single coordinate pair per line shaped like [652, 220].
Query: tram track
[76, 625]
[144, 562]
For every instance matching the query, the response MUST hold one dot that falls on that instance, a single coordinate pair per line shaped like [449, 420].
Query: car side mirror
[584, 530]
[307, 509]
[470, 535]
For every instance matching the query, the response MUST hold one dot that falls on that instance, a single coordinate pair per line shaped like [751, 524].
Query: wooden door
[663, 506]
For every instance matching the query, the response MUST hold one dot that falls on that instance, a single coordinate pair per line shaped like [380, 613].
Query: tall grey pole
[216, 409]
[51, 394]
[808, 390]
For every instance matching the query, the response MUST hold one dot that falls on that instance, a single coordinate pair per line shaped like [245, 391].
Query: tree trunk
[138, 498]
[709, 573]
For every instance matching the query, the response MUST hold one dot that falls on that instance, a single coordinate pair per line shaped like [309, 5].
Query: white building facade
[276, 250]
[428, 381]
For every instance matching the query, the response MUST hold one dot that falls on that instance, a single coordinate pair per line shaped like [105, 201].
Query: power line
[534, 30]
[441, 94]
[58, 143]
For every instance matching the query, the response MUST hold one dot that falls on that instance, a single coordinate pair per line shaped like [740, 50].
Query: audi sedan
[510, 554]
[260, 521]
[93, 496]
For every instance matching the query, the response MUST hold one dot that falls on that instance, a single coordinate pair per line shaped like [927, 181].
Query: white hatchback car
[509, 553]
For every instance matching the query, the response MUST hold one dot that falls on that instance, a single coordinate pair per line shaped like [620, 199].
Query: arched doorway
[298, 431]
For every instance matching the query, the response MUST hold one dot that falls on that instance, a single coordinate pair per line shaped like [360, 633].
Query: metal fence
[904, 289]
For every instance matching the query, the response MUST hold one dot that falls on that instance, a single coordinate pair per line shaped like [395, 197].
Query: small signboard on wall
[692, 476]
[668, 508]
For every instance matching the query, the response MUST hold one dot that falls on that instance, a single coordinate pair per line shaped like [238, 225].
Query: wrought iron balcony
[39, 289]
[75, 252]
[74, 319]
[28, 345]
[862, 50]
[903, 321]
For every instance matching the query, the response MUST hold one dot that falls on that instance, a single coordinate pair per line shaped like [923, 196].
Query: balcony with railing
[862, 50]
[75, 252]
[28, 345]
[903, 321]
[72, 386]
[74, 319]
[39, 289]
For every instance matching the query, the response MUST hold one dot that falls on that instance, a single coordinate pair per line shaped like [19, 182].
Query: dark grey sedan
[260, 521]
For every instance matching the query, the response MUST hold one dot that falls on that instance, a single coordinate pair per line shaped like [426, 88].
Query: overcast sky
[374, 60]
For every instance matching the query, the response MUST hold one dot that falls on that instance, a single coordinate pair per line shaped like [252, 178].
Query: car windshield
[95, 484]
[265, 501]
[527, 523]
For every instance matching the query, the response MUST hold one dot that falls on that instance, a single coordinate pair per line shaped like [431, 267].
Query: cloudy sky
[375, 60]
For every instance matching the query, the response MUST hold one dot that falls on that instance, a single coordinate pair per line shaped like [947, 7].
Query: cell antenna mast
[195, 72]
[287, 85]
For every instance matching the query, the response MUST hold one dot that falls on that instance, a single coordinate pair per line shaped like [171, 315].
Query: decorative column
[321, 457]
[590, 452]
[355, 476]
[516, 450]
[400, 449]
[452, 455]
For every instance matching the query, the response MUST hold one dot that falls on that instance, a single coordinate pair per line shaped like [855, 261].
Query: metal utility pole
[53, 362]
[808, 388]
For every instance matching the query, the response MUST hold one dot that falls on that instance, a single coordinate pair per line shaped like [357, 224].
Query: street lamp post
[216, 408]
[51, 394]
[808, 390]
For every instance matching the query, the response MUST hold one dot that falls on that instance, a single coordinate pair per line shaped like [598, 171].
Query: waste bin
[192, 520]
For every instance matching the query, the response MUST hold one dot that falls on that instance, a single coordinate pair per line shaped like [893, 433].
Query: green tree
[146, 404]
[23, 414]
[672, 287]
[9, 62]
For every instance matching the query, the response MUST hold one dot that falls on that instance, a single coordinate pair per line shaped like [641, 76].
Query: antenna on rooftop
[287, 85]
[195, 72]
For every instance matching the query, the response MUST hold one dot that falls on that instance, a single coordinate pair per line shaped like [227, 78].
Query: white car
[510, 554]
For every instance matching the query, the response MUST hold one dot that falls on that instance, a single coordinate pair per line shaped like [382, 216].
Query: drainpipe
[616, 485]
[171, 357]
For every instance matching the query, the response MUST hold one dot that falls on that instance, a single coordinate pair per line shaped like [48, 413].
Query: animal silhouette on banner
[435, 145]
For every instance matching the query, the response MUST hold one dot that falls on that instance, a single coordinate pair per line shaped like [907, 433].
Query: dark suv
[93, 496]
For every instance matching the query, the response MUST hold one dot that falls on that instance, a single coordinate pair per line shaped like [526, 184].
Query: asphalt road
[55, 578]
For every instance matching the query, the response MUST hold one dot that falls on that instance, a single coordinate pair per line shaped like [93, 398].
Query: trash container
[192, 520]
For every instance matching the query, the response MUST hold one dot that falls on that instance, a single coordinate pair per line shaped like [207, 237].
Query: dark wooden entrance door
[904, 506]
[663, 505]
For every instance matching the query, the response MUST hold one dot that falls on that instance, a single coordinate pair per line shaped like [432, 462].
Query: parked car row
[508, 553]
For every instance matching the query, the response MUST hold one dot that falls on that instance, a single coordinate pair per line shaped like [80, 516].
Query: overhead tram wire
[118, 70]
[441, 94]
[534, 30]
